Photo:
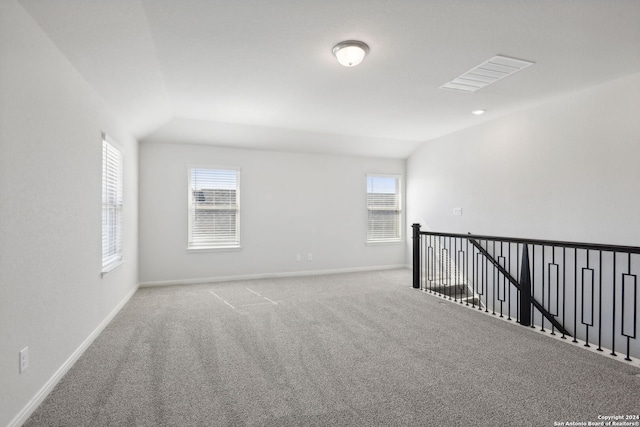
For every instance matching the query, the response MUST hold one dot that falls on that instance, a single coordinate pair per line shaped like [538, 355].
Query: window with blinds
[112, 171]
[384, 208]
[214, 208]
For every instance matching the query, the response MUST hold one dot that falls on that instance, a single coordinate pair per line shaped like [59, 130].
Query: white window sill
[385, 242]
[111, 267]
[215, 249]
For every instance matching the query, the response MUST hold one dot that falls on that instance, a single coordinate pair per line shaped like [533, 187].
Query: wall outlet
[457, 211]
[309, 257]
[298, 257]
[24, 359]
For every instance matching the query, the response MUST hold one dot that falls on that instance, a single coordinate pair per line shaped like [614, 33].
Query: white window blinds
[384, 202]
[112, 170]
[214, 208]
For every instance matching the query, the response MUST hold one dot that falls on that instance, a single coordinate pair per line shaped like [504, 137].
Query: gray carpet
[350, 349]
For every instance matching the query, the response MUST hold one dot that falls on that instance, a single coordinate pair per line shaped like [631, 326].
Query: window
[384, 206]
[112, 166]
[214, 208]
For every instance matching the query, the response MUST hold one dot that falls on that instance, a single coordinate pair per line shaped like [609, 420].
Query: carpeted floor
[351, 349]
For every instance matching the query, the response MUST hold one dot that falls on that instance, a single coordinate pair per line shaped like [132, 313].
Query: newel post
[416, 255]
[525, 288]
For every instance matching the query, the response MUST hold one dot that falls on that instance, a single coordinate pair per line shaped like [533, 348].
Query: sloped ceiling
[260, 74]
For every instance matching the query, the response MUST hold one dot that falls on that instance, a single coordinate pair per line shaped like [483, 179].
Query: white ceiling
[260, 74]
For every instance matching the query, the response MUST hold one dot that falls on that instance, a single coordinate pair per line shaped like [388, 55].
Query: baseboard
[269, 275]
[33, 404]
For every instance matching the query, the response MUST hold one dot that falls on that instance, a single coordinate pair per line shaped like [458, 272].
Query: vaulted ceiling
[260, 74]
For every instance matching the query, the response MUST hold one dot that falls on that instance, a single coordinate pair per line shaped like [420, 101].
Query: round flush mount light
[478, 112]
[351, 52]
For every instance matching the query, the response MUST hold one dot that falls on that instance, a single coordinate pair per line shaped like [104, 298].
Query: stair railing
[580, 290]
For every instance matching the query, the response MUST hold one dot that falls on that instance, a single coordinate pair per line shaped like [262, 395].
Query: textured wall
[290, 204]
[51, 294]
[564, 170]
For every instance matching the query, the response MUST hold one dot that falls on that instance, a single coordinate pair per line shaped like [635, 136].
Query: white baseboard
[33, 404]
[268, 275]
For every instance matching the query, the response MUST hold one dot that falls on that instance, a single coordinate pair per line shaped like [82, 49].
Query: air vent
[496, 68]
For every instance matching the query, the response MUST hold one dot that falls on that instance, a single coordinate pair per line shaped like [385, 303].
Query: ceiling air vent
[496, 68]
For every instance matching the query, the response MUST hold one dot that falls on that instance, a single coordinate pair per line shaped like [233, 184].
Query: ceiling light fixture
[351, 52]
[478, 112]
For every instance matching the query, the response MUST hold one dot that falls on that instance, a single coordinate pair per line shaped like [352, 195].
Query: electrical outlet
[457, 211]
[309, 257]
[298, 257]
[24, 359]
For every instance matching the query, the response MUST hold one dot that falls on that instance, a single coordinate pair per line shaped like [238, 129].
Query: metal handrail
[576, 288]
[556, 243]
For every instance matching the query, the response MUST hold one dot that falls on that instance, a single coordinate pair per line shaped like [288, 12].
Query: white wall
[52, 297]
[290, 204]
[565, 170]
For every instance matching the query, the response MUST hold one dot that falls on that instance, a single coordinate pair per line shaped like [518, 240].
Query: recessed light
[478, 112]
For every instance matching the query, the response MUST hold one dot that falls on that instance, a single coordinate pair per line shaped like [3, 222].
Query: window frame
[112, 226]
[233, 245]
[399, 209]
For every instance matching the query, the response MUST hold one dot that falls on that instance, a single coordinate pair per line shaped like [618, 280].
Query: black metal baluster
[462, 272]
[444, 264]
[542, 264]
[443, 268]
[480, 279]
[454, 281]
[564, 292]
[474, 275]
[427, 261]
[486, 282]
[427, 270]
[454, 269]
[447, 267]
[441, 246]
[493, 295]
[557, 295]
[519, 293]
[423, 256]
[635, 308]
[421, 273]
[437, 264]
[599, 301]
[533, 285]
[501, 276]
[575, 294]
[613, 318]
[509, 285]
[466, 270]
[434, 266]
[591, 299]
[525, 288]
